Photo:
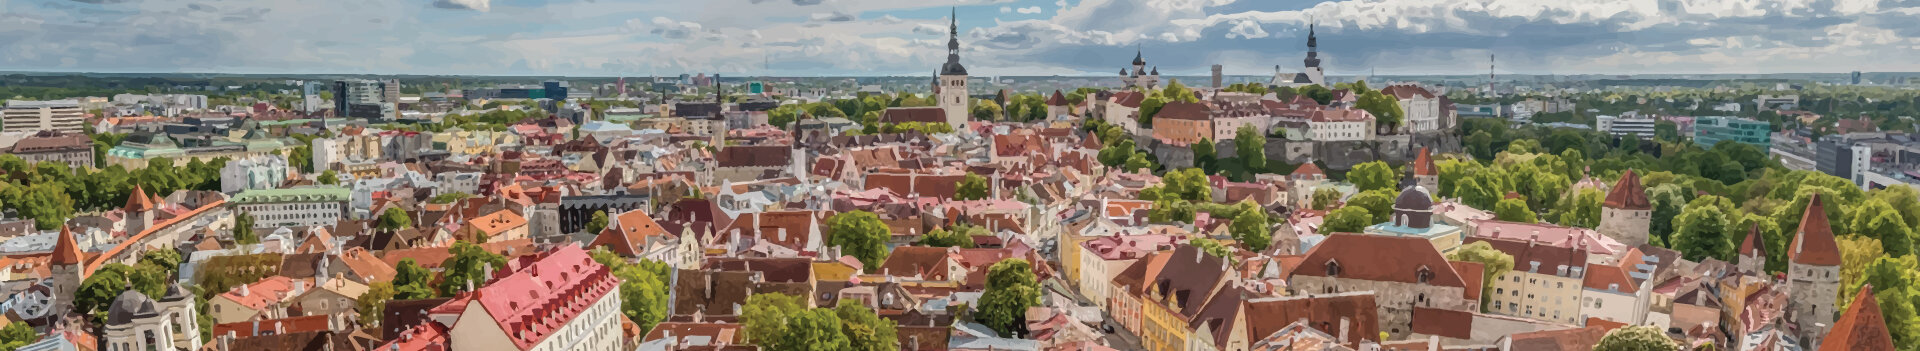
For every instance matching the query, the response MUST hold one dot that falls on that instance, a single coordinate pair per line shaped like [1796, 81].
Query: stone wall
[1395, 299]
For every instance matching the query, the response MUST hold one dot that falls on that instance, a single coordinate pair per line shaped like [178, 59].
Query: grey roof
[1414, 198]
[130, 305]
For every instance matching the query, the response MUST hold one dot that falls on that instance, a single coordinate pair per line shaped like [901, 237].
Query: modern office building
[33, 116]
[1626, 124]
[362, 98]
[1708, 131]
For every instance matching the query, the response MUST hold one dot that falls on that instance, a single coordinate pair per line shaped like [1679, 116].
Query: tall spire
[953, 67]
[1313, 47]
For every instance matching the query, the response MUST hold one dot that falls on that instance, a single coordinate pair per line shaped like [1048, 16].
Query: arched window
[1424, 275]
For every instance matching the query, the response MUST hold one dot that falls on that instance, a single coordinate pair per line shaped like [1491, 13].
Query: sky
[998, 37]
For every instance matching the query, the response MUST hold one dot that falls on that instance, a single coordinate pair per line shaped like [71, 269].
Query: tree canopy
[1495, 263]
[860, 234]
[1011, 289]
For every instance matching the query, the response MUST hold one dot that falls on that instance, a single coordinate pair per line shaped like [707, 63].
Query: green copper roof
[304, 194]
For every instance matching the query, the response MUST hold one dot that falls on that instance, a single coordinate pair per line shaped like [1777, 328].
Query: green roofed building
[292, 207]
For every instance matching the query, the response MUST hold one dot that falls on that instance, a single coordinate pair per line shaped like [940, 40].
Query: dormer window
[1333, 269]
[1424, 275]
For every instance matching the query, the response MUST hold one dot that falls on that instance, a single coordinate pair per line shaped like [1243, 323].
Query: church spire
[953, 67]
[1313, 47]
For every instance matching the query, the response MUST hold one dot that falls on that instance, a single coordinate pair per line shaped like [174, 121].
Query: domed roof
[953, 68]
[129, 306]
[1414, 198]
[175, 292]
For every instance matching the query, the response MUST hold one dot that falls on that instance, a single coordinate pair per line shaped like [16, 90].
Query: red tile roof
[138, 201]
[628, 234]
[533, 302]
[1405, 92]
[1443, 322]
[1861, 328]
[1359, 310]
[1340, 115]
[1753, 245]
[1184, 110]
[274, 326]
[1380, 258]
[66, 251]
[929, 263]
[1423, 164]
[1057, 99]
[1628, 193]
[1130, 99]
[914, 114]
[1815, 244]
[1308, 169]
[755, 156]
[261, 294]
[1472, 274]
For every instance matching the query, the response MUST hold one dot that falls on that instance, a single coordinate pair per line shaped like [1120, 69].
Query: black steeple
[1313, 48]
[953, 67]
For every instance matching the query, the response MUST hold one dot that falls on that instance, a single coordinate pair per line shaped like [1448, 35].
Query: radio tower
[1490, 78]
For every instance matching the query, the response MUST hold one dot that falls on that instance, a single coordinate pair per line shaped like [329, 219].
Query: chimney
[1433, 343]
[256, 328]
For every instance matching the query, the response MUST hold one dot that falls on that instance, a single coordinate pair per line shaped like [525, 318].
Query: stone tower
[1813, 274]
[139, 211]
[67, 269]
[1627, 215]
[953, 80]
[1425, 173]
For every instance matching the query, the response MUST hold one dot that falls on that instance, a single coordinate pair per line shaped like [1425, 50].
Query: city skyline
[999, 37]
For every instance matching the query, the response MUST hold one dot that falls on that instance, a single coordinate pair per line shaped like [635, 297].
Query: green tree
[1323, 198]
[1251, 148]
[1011, 289]
[1378, 202]
[972, 187]
[1250, 228]
[597, 223]
[1856, 254]
[468, 267]
[1187, 184]
[1877, 219]
[1581, 209]
[1150, 107]
[1667, 200]
[1350, 219]
[865, 330]
[643, 289]
[166, 259]
[243, 229]
[1474, 194]
[97, 292]
[1893, 281]
[1385, 109]
[1205, 157]
[1495, 263]
[1138, 162]
[1319, 94]
[860, 234]
[1177, 92]
[958, 236]
[1636, 338]
[411, 282]
[449, 198]
[1703, 231]
[1480, 144]
[328, 177]
[1211, 247]
[371, 304]
[17, 334]
[1373, 175]
[1514, 210]
[777, 321]
[394, 219]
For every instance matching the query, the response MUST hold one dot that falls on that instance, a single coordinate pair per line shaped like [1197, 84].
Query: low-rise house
[267, 299]
[1403, 273]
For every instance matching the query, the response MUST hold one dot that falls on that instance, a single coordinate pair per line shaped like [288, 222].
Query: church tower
[953, 80]
[139, 211]
[1313, 72]
[67, 269]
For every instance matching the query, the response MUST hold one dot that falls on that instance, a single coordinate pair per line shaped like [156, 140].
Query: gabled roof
[1188, 278]
[754, 156]
[1380, 258]
[1266, 316]
[66, 251]
[1130, 99]
[1814, 245]
[629, 233]
[1341, 115]
[1628, 193]
[1406, 92]
[1308, 169]
[1861, 328]
[1423, 164]
[1184, 110]
[1753, 246]
[929, 263]
[914, 114]
[526, 302]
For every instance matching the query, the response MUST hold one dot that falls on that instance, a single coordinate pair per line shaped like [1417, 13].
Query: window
[1333, 269]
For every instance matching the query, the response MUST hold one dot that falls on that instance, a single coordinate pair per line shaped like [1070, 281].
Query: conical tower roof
[137, 201]
[1629, 194]
[66, 251]
[1814, 245]
[1861, 327]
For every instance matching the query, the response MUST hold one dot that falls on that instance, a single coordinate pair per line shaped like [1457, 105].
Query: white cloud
[671, 29]
[1027, 10]
[1247, 29]
[929, 29]
[476, 5]
[1006, 9]
[835, 16]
